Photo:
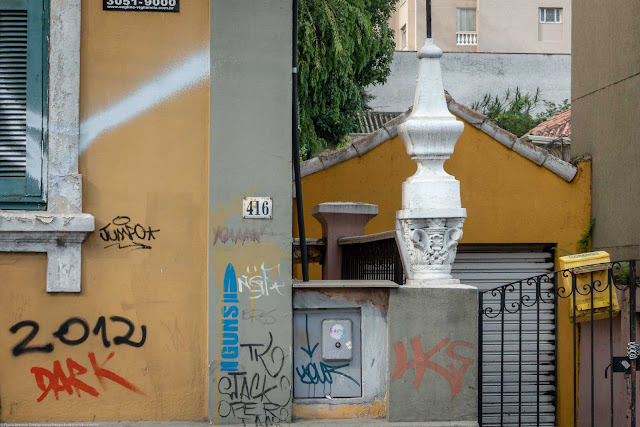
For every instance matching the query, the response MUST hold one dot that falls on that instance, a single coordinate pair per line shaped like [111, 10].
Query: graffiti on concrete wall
[259, 281]
[254, 395]
[312, 372]
[57, 381]
[75, 331]
[121, 233]
[229, 349]
[224, 235]
[421, 362]
[262, 316]
[259, 391]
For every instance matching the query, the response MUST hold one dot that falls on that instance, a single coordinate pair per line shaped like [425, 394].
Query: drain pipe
[296, 146]
[428, 19]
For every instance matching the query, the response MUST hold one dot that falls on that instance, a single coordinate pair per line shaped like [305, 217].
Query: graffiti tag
[229, 347]
[57, 381]
[121, 233]
[226, 234]
[65, 335]
[262, 316]
[260, 281]
[421, 362]
[257, 396]
[318, 373]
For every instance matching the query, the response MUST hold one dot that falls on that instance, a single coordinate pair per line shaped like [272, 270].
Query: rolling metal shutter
[22, 95]
[529, 376]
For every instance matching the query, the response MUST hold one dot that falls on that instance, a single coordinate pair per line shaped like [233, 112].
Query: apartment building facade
[489, 26]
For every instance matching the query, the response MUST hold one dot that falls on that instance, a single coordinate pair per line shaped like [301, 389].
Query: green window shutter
[23, 72]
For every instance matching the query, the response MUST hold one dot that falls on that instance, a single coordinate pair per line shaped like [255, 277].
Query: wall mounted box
[327, 355]
[337, 340]
[590, 269]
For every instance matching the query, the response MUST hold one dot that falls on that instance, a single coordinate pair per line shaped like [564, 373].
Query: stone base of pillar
[433, 354]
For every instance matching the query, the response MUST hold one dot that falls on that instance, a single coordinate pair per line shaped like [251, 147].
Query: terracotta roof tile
[559, 125]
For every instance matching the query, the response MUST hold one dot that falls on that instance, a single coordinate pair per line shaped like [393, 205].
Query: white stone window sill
[59, 235]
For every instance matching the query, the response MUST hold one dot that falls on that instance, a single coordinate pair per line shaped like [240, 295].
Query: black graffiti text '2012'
[67, 337]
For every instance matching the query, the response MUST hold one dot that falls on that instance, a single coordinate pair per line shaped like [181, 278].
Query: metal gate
[519, 370]
[487, 266]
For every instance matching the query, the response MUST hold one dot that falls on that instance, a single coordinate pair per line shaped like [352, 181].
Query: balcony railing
[467, 38]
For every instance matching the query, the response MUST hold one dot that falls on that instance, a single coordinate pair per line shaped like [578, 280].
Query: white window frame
[60, 230]
[403, 36]
[542, 15]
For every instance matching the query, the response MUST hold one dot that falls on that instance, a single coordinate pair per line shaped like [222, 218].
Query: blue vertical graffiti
[230, 312]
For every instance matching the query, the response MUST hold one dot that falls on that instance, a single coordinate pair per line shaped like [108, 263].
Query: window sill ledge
[58, 235]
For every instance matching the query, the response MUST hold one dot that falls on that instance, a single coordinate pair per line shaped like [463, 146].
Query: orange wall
[508, 198]
[152, 167]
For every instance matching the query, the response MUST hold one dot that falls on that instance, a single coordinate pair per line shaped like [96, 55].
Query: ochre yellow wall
[508, 198]
[151, 167]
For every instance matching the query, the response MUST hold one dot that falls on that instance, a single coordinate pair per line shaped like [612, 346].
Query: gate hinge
[633, 349]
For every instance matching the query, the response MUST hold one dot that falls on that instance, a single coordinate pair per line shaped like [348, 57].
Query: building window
[550, 15]
[466, 20]
[23, 83]
[466, 30]
[403, 31]
[39, 136]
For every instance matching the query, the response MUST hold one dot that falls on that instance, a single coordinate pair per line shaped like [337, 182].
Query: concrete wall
[250, 316]
[509, 199]
[467, 77]
[433, 352]
[605, 120]
[144, 144]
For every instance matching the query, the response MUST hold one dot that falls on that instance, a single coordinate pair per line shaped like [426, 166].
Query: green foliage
[584, 244]
[343, 46]
[621, 274]
[514, 111]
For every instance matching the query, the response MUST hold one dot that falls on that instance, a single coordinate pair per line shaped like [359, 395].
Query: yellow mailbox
[583, 266]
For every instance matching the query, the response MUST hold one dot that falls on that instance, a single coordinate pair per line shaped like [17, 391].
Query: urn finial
[429, 226]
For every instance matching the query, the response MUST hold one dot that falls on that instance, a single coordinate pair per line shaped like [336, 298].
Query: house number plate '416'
[257, 208]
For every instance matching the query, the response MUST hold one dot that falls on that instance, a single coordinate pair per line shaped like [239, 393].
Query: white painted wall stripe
[180, 77]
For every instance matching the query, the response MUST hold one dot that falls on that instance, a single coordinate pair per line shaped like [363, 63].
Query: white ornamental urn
[429, 226]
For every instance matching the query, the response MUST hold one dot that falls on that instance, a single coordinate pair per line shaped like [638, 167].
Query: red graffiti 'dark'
[421, 362]
[57, 381]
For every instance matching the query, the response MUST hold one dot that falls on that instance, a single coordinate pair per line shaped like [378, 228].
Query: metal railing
[518, 369]
[371, 257]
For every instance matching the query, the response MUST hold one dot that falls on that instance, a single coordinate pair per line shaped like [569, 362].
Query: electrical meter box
[592, 272]
[327, 359]
[337, 341]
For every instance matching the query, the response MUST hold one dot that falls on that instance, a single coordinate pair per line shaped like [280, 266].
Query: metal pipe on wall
[429, 19]
[296, 146]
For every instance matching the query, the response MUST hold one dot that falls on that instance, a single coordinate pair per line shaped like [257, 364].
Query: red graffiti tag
[421, 362]
[56, 381]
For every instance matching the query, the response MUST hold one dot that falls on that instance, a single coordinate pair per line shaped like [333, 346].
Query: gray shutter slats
[491, 266]
[13, 93]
